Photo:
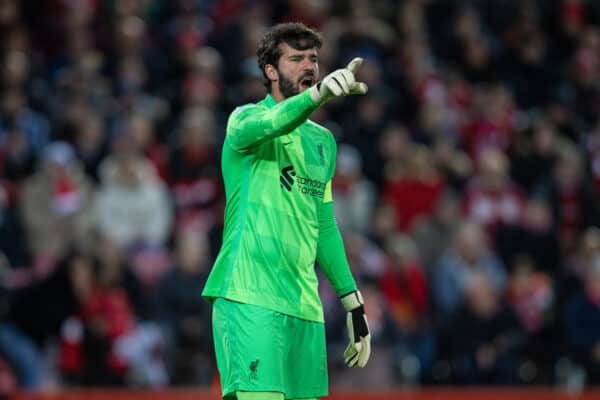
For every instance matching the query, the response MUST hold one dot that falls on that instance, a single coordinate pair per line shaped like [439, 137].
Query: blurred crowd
[467, 185]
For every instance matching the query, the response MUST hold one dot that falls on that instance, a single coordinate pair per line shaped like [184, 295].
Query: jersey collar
[269, 101]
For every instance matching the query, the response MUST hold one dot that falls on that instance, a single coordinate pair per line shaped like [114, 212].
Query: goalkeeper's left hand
[359, 349]
[341, 82]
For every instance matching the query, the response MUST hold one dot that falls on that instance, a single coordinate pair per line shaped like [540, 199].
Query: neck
[276, 94]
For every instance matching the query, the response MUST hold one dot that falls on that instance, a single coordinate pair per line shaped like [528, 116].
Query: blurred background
[467, 186]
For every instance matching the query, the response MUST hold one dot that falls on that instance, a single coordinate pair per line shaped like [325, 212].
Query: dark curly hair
[295, 34]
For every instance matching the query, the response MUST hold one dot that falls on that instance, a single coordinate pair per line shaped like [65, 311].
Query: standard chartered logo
[287, 177]
[307, 186]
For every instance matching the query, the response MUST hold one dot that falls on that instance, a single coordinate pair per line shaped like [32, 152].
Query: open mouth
[306, 82]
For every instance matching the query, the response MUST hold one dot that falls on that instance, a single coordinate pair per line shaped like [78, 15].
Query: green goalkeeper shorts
[259, 350]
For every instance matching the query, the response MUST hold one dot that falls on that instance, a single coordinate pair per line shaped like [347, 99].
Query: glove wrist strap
[315, 93]
[352, 300]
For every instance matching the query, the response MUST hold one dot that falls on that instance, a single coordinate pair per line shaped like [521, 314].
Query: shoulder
[243, 112]
[323, 132]
[244, 108]
[318, 128]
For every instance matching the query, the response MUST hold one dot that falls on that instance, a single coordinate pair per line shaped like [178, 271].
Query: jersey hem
[211, 296]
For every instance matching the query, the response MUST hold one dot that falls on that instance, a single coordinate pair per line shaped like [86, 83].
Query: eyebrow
[300, 55]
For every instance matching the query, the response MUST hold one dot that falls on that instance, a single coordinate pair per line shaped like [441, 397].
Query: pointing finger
[354, 65]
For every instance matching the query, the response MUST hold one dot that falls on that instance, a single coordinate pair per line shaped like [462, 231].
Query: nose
[308, 65]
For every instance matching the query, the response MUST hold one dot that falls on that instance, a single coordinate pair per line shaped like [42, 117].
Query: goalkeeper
[277, 166]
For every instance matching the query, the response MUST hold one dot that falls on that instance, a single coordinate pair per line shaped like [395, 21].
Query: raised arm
[252, 125]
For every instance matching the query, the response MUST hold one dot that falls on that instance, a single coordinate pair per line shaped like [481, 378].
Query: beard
[287, 87]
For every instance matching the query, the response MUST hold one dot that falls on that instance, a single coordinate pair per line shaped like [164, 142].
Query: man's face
[298, 70]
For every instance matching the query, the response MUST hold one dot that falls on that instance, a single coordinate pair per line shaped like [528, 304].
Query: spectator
[534, 157]
[29, 309]
[582, 324]
[394, 148]
[132, 202]
[493, 125]
[571, 197]
[454, 164]
[10, 13]
[434, 235]
[12, 235]
[193, 170]
[467, 256]
[584, 73]
[579, 263]
[354, 194]
[139, 136]
[91, 144]
[406, 291]
[185, 315]
[413, 191]
[110, 256]
[532, 297]
[362, 128]
[383, 224]
[17, 156]
[19, 356]
[491, 198]
[103, 315]
[484, 348]
[476, 60]
[57, 204]
[131, 81]
[104, 344]
[528, 71]
[14, 111]
[365, 257]
[201, 86]
[535, 237]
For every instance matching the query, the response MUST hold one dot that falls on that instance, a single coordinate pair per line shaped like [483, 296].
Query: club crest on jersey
[306, 186]
[254, 370]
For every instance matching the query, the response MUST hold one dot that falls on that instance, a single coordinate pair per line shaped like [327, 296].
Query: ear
[271, 72]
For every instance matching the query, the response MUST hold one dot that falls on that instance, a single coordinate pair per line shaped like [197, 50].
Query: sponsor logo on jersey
[306, 186]
[287, 177]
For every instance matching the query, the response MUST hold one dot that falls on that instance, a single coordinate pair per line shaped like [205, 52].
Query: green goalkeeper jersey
[277, 167]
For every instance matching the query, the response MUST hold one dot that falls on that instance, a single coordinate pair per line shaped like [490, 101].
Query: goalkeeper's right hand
[341, 82]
